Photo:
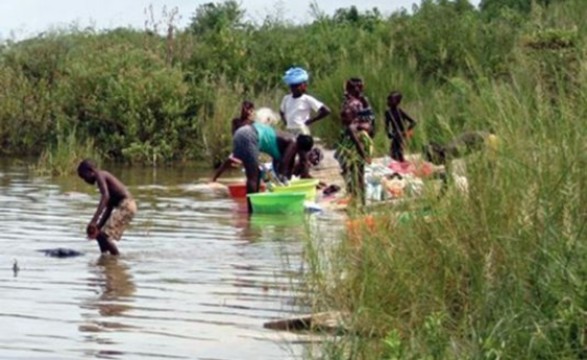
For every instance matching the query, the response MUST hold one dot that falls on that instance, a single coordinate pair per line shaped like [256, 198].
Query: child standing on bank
[398, 126]
[297, 106]
[115, 210]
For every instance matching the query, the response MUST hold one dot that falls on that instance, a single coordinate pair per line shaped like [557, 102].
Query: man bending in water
[115, 210]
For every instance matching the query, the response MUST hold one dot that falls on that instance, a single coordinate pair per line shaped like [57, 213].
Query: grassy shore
[498, 273]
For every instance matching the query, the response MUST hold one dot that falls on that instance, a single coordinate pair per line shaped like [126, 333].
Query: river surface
[196, 279]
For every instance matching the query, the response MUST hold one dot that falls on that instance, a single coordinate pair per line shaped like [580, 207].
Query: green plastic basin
[277, 203]
[307, 186]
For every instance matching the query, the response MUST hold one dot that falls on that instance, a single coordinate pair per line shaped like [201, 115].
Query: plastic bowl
[314, 182]
[278, 203]
[239, 191]
[307, 186]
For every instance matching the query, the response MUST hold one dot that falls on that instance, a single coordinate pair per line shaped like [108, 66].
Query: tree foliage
[216, 17]
[145, 97]
[495, 7]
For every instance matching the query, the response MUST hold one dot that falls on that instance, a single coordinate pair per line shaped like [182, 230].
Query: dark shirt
[396, 121]
[237, 123]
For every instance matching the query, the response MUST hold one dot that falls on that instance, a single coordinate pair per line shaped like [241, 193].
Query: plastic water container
[307, 186]
[374, 192]
[239, 190]
[278, 203]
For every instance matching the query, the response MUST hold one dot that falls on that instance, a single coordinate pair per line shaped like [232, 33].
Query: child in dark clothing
[115, 210]
[247, 117]
[398, 126]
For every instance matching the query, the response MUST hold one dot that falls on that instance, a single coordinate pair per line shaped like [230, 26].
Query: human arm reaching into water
[103, 208]
[230, 161]
[246, 118]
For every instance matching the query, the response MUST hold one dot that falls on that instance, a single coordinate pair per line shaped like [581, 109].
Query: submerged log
[326, 322]
[61, 252]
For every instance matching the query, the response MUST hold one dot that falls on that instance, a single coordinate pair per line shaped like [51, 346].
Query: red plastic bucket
[239, 191]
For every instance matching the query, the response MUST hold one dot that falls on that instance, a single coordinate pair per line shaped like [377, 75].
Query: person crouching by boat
[355, 146]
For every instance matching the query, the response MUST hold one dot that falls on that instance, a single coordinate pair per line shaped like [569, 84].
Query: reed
[494, 273]
[64, 157]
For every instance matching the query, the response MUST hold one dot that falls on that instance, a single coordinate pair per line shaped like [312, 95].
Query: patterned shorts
[120, 219]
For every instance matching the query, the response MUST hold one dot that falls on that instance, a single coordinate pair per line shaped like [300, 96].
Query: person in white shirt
[297, 106]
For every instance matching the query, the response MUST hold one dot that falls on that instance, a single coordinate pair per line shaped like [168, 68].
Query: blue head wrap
[295, 76]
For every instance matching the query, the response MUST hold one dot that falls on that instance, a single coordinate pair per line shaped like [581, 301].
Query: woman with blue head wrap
[295, 76]
[297, 107]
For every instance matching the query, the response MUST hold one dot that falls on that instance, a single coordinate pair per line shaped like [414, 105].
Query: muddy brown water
[197, 277]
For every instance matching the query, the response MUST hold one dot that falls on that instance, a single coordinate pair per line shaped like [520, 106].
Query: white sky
[23, 18]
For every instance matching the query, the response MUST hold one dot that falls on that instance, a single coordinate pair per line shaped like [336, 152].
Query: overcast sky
[24, 18]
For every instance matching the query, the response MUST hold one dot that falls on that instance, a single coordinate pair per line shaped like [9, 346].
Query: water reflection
[114, 287]
[273, 227]
[197, 279]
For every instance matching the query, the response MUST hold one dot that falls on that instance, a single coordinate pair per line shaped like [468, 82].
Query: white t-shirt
[297, 110]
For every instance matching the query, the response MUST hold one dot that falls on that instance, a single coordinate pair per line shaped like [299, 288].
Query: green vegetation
[64, 157]
[497, 273]
[143, 97]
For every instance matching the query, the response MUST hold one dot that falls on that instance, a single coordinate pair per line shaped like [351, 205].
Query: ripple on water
[197, 277]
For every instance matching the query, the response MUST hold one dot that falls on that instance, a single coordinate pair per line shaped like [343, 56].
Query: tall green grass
[147, 98]
[64, 157]
[495, 273]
